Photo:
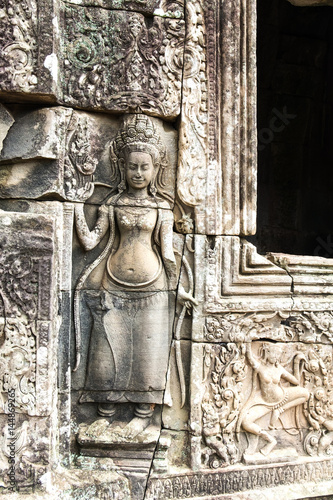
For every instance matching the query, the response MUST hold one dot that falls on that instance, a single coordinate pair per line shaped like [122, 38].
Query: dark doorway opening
[295, 129]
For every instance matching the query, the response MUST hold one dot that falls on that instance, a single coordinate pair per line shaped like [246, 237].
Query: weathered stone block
[31, 260]
[6, 121]
[28, 41]
[165, 8]
[58, 152]
[121, 61]
[32, 157]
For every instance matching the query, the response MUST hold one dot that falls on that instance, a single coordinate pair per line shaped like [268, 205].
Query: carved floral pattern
[192, 170]
[222, 403]
[121, 60]
[18, 312]
[18, 42]
[318, 376]
[79, 164]
[282, 325]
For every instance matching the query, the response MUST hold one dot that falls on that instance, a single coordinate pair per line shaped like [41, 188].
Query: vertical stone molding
[217, 171]
[29, 42]
[31, 262]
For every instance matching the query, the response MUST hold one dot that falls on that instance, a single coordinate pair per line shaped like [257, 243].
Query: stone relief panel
[122, 61]
[265, 402]
[263, 339]
[248, 383]
[143, 55]
[125, 302]
[26, 297]
[30, 280]
[27, 66]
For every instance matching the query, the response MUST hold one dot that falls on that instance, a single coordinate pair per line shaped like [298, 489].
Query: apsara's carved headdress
[138, 133]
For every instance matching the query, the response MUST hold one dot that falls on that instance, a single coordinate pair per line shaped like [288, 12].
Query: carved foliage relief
[193, 129]
[80, 165]
[18, 42]
[122, 60]
[25, 304]
[303, 326]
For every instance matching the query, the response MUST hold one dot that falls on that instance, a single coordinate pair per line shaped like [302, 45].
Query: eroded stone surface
[165, 8]
[28, 68]
[122, 61]
[30, 274]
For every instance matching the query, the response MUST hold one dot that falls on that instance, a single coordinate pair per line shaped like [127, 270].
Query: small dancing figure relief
[268, 396]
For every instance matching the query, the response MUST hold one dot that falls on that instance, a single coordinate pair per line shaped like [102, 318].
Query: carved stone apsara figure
[268, 396]
[131, 334]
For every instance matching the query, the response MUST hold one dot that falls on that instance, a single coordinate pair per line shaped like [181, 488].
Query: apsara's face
[273, 354]
[139, 170]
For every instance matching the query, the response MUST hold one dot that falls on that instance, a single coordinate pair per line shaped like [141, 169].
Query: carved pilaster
[217, 171]
[29, 268]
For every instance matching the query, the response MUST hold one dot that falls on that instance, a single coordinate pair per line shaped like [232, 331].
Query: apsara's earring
[152, 185]
[152, 189]
[122, 183]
